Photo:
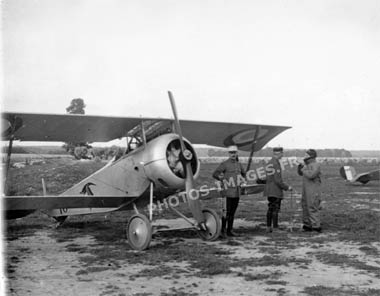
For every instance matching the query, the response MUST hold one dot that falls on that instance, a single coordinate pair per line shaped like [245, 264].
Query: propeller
[185, 157]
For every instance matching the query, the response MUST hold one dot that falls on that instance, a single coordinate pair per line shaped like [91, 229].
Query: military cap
[278, 149]
[312, 153]
[232, 148]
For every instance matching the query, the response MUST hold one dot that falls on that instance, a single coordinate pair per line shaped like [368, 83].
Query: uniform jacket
[233, 175]
[311, 173]
[275, 185]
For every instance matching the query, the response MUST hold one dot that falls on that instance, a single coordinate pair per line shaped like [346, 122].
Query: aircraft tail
[348, 172]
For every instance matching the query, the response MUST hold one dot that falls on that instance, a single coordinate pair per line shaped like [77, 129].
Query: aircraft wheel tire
[213, 224]
[139, 232]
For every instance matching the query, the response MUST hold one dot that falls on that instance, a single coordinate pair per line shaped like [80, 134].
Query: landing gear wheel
[213, 224]
[139, 232]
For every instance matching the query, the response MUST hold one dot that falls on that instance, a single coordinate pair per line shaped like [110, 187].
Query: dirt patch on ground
[282, 263]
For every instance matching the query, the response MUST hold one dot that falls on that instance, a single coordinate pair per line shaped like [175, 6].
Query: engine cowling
[162, 163]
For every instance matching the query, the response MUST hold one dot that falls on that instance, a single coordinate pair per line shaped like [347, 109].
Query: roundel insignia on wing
[5, 127]
[244, 137]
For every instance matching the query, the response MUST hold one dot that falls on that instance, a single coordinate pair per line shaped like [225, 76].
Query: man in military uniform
[232, 174]
[274, 188]
[311, 191]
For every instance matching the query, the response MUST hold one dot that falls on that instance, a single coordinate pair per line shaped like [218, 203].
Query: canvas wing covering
[86, 128]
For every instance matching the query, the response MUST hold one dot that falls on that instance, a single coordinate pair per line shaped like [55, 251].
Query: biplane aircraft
[157, 163]
[349, 173]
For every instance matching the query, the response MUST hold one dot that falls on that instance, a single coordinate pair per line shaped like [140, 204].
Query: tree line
[268, 152]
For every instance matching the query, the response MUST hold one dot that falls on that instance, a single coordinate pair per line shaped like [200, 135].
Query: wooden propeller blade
[176, 120]
[194, 203]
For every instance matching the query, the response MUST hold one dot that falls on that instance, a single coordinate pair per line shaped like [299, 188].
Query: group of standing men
[231, 172]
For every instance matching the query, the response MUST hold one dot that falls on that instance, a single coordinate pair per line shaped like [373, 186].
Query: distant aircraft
[349, 173]
[158, 163]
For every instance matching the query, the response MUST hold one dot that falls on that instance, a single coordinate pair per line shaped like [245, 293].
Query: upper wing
[66, 127]
[88, 128]
[225, 133]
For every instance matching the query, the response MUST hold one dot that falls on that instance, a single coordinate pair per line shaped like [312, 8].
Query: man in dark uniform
[311, 192]
[274, 188]
[232, 174]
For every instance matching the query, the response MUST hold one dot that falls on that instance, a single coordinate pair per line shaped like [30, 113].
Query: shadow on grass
[345, 260]
[323, 291]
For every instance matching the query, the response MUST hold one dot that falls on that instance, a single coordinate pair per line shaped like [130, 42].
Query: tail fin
[347, 172]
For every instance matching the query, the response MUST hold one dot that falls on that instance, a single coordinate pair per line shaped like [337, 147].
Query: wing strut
[143, 135]
[15, 123]
[256, 135]
[9, 153]
[151, 201]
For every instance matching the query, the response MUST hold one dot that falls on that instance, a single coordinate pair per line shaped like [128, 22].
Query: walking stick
[223, 207]
[292, 217]
[224, 211]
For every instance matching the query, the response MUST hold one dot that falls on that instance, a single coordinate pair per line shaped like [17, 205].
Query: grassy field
[93, 257]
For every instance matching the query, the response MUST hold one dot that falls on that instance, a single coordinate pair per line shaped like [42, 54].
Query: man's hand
[290, 188]
[299, 169]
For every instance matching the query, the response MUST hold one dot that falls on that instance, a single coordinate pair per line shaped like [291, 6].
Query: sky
[311, 65]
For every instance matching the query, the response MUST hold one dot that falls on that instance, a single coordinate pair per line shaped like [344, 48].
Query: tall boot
[275, 219]
[269, 221]
[223, 230]
[230, 224]
[224, 222]
[269, 218]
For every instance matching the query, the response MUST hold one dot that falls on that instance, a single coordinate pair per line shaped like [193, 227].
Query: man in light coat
[311, 191]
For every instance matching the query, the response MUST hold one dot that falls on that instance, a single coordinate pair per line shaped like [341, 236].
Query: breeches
[274, 204]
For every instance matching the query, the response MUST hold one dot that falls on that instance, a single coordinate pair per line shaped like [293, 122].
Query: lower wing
[12, 203]
[217, 192]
